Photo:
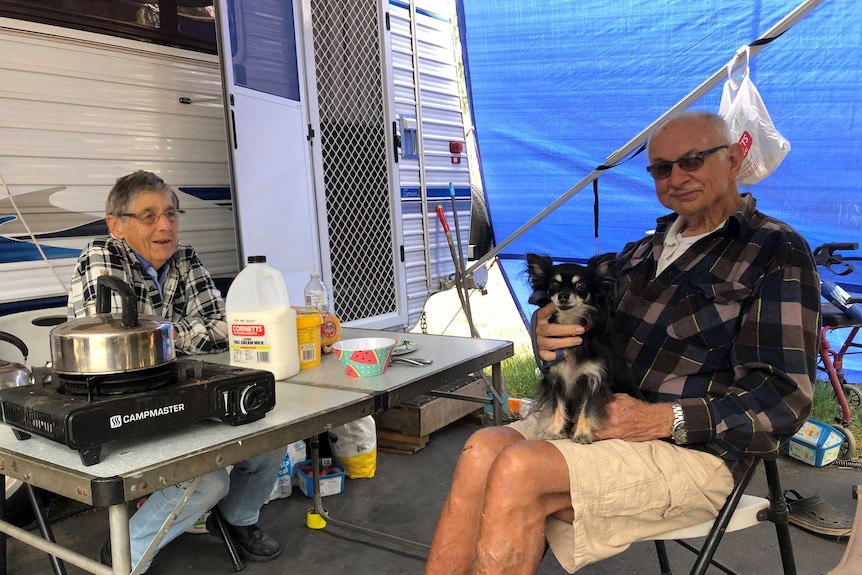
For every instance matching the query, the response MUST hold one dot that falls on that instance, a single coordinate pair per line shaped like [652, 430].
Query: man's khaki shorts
[623, 492]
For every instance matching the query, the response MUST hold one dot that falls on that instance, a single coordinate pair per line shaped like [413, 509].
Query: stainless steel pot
[14, 374]
[109, 343]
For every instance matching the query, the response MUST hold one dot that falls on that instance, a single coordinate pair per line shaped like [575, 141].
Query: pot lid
[108, 324]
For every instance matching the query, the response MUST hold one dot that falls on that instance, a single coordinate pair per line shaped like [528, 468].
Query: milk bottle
[261, 323]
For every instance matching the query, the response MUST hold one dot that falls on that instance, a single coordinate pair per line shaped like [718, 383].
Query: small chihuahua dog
[576, 388]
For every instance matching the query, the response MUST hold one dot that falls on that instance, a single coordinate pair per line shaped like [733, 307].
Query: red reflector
[456, 147]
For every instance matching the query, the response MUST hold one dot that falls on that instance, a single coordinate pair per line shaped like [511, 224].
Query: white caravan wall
[429, 56]
[78, 110]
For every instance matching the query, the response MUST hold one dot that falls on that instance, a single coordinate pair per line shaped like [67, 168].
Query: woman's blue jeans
[239, 495]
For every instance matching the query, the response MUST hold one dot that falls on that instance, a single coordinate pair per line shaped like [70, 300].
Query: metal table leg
[118, 528]
[496, 388]
[318, 506]
[497, 383]
[3, 537]
[118, 524]
[44, 528]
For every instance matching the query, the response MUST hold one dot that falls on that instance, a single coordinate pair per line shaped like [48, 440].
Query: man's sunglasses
[689, 163]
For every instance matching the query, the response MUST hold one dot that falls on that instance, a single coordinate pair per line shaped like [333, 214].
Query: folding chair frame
[778, 513]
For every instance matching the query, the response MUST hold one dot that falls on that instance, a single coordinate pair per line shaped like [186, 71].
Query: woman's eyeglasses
[150, 218]
[689, 163]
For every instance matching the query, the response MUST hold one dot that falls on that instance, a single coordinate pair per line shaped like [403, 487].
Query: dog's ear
[602, 265]
[537, 269]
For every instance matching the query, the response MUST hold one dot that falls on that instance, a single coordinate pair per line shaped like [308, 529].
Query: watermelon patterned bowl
[364, 356]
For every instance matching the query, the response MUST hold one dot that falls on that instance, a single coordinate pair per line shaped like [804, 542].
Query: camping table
[310, 402]
[130, 470]
[453, 358]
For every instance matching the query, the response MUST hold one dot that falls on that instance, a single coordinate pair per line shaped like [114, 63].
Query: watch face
[679, 434]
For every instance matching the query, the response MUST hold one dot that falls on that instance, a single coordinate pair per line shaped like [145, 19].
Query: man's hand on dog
[633, 420]
[553, 336]
[628, 418]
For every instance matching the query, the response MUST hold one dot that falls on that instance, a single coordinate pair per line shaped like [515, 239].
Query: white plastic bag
[277, 487]
[354, 445]
[746, 115]
[287, 476]
[297, 451]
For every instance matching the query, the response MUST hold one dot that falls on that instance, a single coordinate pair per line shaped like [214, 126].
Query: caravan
[344, 180]
[324, 138]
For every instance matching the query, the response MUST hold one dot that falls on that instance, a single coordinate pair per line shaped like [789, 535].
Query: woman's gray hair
[130, 186]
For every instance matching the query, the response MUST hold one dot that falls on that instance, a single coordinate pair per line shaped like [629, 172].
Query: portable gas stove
[84, 412]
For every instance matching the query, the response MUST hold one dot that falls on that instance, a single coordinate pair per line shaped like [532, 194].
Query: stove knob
[253, 398]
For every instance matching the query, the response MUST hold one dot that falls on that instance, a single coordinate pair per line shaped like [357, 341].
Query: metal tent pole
[754, 48]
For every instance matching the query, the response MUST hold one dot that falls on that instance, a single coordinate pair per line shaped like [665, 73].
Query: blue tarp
[556, 87]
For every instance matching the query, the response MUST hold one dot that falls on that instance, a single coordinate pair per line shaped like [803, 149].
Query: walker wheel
[854, 398]
[848, 446]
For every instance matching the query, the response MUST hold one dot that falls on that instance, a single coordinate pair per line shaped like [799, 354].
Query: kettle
[111, 343]
[14, 374]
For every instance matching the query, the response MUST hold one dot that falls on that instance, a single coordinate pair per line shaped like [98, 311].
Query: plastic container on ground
[261, 323]
[317, 295]
[816, 443]
[331, 477]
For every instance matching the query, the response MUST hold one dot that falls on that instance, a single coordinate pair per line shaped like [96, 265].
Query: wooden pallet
[425, 414]
[389, 441]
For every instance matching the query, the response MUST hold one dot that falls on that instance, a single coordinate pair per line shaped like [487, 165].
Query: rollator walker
[842, 312]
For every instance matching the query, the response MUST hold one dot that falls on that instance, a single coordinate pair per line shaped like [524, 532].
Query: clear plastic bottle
[261, 324]
[317, 294]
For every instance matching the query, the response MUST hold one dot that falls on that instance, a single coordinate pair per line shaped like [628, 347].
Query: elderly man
[143, 217]
[719, 312]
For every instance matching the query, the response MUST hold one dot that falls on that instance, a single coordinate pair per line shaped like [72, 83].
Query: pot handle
[17, 342]
[104, 286]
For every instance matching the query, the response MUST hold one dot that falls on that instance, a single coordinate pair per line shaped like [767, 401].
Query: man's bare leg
[526, 483]
[453, 548]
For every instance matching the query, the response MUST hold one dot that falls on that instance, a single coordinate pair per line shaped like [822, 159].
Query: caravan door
[267, 117]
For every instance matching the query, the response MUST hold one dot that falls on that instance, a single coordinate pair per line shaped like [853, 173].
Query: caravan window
[182, 23]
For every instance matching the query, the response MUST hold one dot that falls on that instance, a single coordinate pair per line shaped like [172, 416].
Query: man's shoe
[254, 544]
[105, 553]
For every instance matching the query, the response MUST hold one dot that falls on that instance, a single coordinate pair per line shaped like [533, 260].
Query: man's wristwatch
[678, 432]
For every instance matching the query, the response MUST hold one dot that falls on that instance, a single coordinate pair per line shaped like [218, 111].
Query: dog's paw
[549, 436]
[583, 438]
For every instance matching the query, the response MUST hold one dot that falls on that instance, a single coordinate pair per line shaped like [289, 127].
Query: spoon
[416, 361]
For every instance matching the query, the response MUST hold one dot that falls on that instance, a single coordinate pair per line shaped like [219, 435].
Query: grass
[520, 375]
[827, 410]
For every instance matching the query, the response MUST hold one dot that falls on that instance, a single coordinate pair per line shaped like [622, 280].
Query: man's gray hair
[713, 120]
[130, 186]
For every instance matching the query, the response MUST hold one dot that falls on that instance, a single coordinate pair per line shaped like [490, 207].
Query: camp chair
[739, 512]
